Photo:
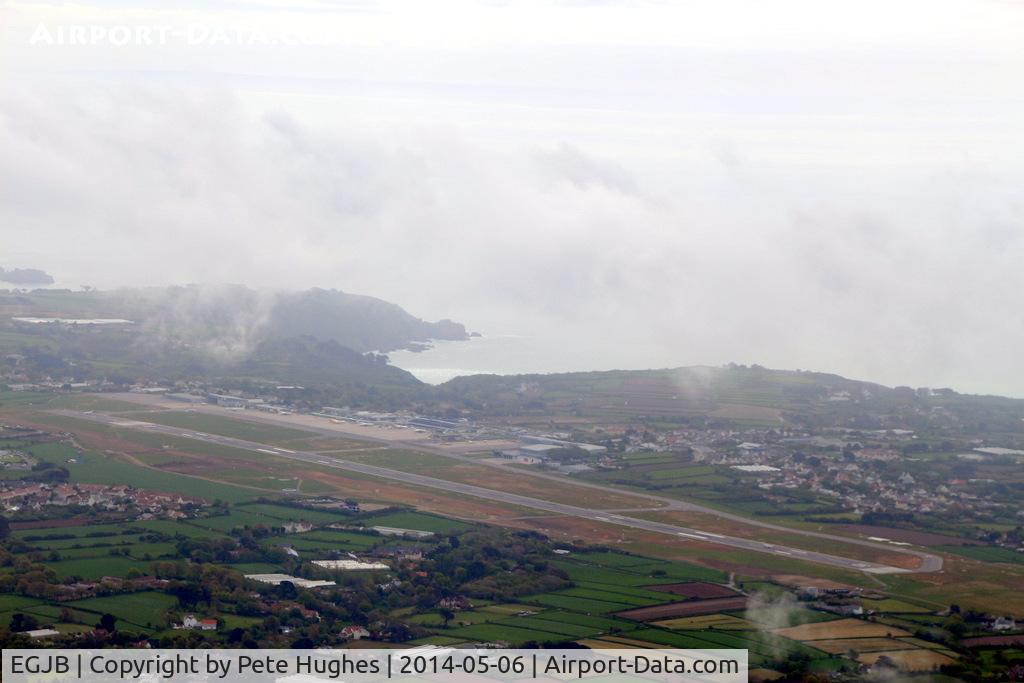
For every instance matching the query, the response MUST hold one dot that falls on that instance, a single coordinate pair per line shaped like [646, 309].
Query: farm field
[685, 609]
[94, 468]
[795, 616]
[417, 521]
[869, 641]
[146, 609]
[841, 628]
[910, 660]
[605, 581]
[718, 621]
[552, 625]
[506, 633]
[285, 513]
[95, 568]
[890, 605]
[631, 570]
[994, 641]
[697, 589]
[865, 645]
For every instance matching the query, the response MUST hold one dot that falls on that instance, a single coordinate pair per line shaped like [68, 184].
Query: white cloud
[834, 193]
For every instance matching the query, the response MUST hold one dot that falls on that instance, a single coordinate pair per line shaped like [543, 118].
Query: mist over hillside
[228, 334]
[229, 321]
[332, 342]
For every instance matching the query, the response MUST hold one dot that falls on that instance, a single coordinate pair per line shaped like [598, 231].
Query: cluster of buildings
[864, 471]
[568, 457]
[22, 382]
[19, 495]
[859, 479]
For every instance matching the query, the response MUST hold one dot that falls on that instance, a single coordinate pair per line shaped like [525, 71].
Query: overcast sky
[835, 186]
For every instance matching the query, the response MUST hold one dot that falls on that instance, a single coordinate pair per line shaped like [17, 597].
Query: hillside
[736, 394]
[363, 323]
[230, 320]
[323, 339]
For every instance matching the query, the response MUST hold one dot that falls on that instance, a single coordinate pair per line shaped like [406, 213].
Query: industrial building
[227, 401]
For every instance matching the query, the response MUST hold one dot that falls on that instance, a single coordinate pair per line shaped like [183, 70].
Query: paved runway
[928, 561]
[502, 496]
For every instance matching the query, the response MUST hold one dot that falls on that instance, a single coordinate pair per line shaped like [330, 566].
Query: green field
[627, 570]
[237, 621]
[600, 623]
[984, 553]
[56, 453]
[138, 551]
[604, 592]
[286, 513]
[14, 602]
[300, 542]
[418, 521]
[340, 540]
[562, 628]
[238, 519]
[93, 569]
[86, 533]
[474, 616]
[610, 559]
[578, 604]
[680, 472]
[93, 468]
[145, 609]
[893, 606]
[511, 634]
[186, 529]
